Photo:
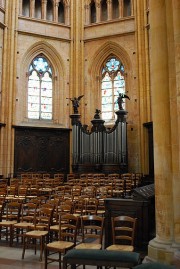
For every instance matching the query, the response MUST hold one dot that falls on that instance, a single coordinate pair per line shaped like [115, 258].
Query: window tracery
[112, 83]
[40, 89]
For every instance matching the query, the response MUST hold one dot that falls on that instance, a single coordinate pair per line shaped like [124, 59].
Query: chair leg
[41, 247]
[45, 254]
[59, 260]
[11, 235]
[24, 246]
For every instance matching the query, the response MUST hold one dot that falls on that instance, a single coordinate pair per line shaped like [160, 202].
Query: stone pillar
[55, 10]
[32, 8]
[165, 114]
[67, 12]
[109, 9]
[142, 72]
[121, 8]
[20, 7]
[44, 9]
[8, 87]
[175, 99]
[98, 10]
[87, 14]
[132, 7]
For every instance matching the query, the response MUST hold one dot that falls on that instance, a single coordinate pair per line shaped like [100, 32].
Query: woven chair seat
[60, 245]
[120, 247]
[8, 222]
[88, 246]
[36, 233]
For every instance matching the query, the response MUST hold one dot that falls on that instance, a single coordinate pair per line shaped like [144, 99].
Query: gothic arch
[108, 49]
[58, 68]
[49, 51]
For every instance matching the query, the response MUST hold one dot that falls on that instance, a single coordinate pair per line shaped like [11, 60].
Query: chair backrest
[91, 206]
[68, 227]
[2, 206]
[79, 206]
[92, 229]
[44, 218]
[29, 212]
[123, 230]
[13, 211]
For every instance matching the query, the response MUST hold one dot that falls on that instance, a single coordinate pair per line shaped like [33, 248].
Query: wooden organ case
[100, 149]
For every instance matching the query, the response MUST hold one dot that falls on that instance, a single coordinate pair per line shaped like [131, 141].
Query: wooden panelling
[41, 150]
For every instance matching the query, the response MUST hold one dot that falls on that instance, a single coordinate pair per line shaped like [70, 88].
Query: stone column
[8, 87]
[20, 7]
[98, 10]
[132, 7]
[121, 8]
[165, 116]
[44, 9]
[87, 14]
[109, 9]
[32, 8]
[67, 12]
[55, 10]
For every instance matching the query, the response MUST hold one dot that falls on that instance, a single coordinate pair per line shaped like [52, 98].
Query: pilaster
[9, 86]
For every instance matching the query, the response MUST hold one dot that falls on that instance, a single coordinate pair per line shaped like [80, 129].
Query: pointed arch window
[40, 89]
[38, 9]
[61, 18]
[49, 9]
[112, 84]
[26, 8]
[104, 10]
[93, 12]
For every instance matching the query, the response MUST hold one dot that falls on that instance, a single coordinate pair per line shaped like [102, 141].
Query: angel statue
[120, 100]
[75, 102]
[97, 114]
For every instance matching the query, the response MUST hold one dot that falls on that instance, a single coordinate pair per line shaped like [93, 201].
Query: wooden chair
[118, 188]
[76, 192]
[40, 232]
[63, 209]
[68, 226]
[27, 220]
[91, 206]
[123, 233]
[92, 232]
[12, 216]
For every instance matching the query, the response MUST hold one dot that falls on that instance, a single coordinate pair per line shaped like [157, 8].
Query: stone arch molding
[49, 51]
[108, 49]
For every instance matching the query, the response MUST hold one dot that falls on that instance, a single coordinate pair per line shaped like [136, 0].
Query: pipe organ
[100, 149]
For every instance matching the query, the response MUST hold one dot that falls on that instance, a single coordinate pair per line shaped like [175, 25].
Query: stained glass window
[40, 89]
[112, 84]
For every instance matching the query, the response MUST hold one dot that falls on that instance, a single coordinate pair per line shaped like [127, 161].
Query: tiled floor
[10, 258]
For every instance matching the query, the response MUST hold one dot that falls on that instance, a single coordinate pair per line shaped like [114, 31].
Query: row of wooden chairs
[35, 222]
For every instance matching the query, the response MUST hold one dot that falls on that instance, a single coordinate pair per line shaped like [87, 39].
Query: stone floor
[11, 258]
